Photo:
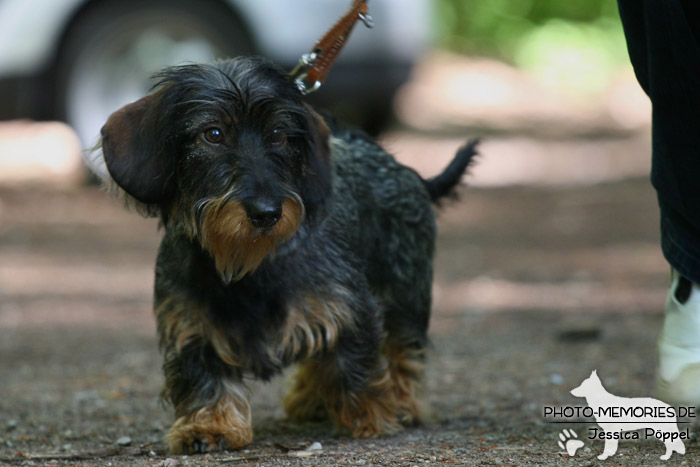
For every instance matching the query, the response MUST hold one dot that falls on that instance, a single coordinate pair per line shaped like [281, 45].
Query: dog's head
[590, 386]
[228, 151]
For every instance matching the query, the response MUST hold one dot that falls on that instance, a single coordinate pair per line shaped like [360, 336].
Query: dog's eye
[278, 137]
[213, 135]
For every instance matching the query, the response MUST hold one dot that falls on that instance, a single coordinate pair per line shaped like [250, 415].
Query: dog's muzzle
[240, 234]
[263, 213]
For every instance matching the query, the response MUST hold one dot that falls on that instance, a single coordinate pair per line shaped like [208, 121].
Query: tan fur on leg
[406, 372]
[368, 413]
[391, 399]
[313, 325]
[223, 424]
[306, 402]
[371, 412]
[182, 321]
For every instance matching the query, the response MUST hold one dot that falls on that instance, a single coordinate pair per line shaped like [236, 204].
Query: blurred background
[555, 238]
[442, 68]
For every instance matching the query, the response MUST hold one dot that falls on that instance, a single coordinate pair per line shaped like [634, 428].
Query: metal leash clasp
[301, 71]
[366, 19]
[311, 71]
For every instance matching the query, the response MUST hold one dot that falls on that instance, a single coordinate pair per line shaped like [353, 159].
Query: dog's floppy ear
[135, 151]
[317, 173]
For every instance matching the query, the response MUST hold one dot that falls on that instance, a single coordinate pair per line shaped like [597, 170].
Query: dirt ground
[536, 286]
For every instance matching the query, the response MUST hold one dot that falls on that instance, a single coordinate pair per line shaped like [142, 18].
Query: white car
[79, 60]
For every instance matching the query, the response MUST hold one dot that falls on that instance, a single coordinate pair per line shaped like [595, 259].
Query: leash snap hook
[301, 71]
[366, 19]
[310, 73]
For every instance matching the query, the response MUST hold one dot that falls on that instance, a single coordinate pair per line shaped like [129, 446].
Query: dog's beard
[237, 246]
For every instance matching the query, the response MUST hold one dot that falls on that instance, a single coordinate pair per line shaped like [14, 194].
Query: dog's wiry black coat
[344, 284]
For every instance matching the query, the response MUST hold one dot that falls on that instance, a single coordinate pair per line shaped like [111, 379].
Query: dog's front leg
[222, 424]
[609, 449]
[352, 384]
[365, 401]
[202, 383]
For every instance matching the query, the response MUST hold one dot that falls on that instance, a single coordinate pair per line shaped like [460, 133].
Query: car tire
[112, 47]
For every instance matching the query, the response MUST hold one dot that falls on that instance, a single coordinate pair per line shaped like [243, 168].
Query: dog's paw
[369, 415]
[213, 428]
[197, 439]
[568, 441]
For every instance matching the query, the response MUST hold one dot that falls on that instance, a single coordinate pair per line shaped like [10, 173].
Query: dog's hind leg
[669, 450]
[678, 446]
[673, 446]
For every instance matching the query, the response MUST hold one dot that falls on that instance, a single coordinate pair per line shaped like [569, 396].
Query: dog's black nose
[263, 213]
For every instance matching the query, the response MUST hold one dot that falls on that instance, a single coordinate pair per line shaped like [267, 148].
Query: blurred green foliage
[520, 31]
[576, 44]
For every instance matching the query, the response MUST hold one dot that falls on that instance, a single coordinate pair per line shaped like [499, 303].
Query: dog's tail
[443, 185]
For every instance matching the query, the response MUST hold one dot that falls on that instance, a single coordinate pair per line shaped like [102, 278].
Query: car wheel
[113, 47]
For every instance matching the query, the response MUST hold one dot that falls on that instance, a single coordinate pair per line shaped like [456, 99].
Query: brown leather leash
[313, 67]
